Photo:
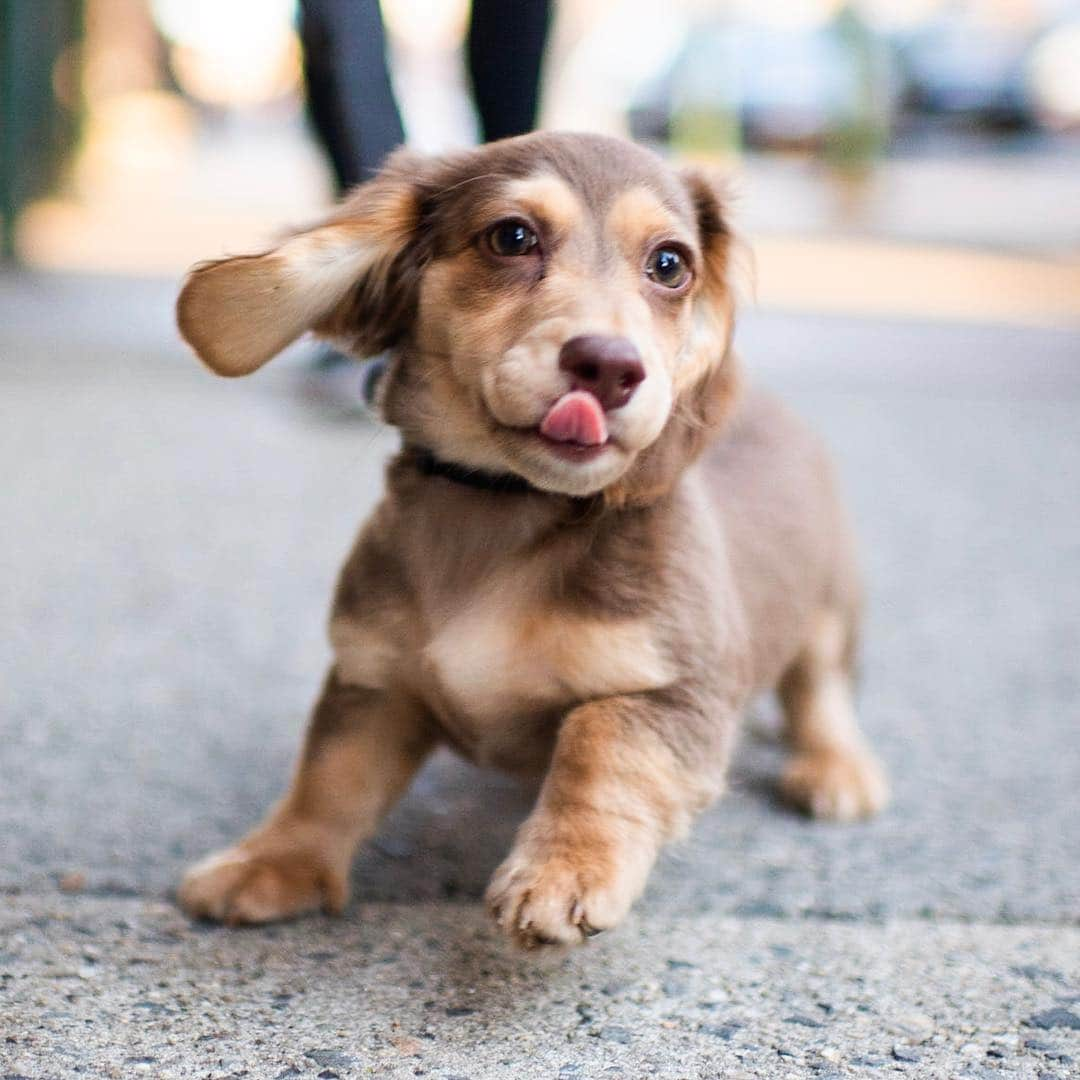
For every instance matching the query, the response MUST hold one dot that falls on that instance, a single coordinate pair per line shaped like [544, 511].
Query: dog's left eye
[666, 266]
[510, 238]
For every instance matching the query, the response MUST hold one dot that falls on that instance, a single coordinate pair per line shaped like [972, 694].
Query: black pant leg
[505, 51]
[350, 97]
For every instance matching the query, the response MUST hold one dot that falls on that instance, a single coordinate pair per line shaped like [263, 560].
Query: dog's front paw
[837, 785]
[555, 899]
[243, 885]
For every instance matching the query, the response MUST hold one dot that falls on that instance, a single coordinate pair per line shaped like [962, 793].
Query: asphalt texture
[168, 549]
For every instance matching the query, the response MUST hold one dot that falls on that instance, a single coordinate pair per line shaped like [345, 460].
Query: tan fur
[476, 658]
[638, 216]
[547, 197]
[614, 793]
[604, 627]
[833, 773]
[239, 313]
[367, 653]
[362, 751]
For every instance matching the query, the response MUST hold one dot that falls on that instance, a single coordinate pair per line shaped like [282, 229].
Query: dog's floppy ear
[714, 306]
[345, 278]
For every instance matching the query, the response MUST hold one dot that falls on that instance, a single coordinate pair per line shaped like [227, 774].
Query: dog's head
[556, 306]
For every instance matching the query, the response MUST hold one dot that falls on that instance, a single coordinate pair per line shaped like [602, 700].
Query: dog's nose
[609, 367]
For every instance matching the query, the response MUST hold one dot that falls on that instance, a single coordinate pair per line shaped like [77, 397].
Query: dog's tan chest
[499, 659]
[502, 656]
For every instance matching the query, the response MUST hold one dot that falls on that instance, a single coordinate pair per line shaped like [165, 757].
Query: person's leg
[505, 51]
[354, 114]
[350, 96]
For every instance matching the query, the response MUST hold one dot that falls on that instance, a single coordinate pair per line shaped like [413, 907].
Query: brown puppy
[593, 548]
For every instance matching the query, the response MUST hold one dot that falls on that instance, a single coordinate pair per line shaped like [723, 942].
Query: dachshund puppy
[594, 545]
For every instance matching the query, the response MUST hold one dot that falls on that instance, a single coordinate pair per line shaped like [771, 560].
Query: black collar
[501, 483]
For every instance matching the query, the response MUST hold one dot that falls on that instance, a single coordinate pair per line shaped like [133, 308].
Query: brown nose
[609, 367]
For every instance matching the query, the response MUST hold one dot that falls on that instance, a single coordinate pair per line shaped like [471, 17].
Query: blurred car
[970, 70]
[848, 82]
[752, 84]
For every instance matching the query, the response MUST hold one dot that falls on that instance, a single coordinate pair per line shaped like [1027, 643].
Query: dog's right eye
[512, 237]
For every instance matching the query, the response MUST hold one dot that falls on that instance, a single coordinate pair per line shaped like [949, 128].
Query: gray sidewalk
[169, 545]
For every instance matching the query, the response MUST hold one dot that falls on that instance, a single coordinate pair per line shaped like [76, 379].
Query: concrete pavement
[169, 547]
[110, 987]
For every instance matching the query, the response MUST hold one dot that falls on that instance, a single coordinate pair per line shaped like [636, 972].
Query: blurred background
[141, 135]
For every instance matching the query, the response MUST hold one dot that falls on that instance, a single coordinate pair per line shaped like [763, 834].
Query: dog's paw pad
[239, 887]
[550, 904]
[836, 785]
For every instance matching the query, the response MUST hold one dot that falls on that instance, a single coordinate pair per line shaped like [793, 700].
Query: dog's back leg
[832, 773]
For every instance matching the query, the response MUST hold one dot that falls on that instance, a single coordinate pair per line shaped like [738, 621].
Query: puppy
[594, 546]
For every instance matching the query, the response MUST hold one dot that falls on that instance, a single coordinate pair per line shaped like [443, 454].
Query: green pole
[9, 136]
[36, 132]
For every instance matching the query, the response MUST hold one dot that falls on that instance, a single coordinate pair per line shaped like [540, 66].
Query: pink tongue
[576, 418]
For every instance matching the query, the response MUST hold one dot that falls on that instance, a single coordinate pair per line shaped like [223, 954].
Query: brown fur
[604, 628]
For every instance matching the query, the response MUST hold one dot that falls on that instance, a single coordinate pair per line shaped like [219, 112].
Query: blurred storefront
[140, 135]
